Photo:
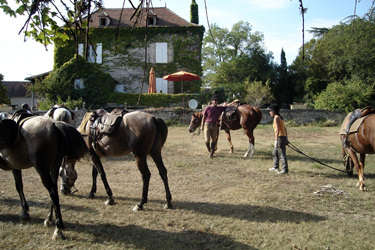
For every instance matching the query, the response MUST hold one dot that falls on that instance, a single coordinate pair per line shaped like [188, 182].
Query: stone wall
[299, 116]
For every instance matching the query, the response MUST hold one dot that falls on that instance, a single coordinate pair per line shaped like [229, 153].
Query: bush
[347, 95]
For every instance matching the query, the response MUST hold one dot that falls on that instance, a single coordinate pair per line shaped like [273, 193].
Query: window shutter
[99, 53]
[80, 49]
[161, 52]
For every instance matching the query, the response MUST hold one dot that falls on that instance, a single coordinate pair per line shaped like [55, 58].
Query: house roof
[15, 89]
[40, 76]
[165, 17]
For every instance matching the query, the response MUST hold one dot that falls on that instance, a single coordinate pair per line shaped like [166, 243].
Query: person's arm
[203, 120]
[277, 130]
[234, 102]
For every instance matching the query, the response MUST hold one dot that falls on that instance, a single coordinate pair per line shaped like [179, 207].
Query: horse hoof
[168, 206]
[58, 235]
[65, 192]
[47, 223]
[110, 201]
[25, 216]
[137, 208]
[90, 196]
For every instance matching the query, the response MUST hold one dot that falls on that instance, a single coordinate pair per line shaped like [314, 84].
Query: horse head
[68, 176]
[195, 122]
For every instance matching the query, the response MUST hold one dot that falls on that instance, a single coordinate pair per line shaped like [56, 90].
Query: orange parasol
[152, 82]
[181, 76]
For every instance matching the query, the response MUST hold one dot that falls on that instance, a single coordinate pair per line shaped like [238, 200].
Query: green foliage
[232, 57]
[3, 92]
[258, 93]
[194, 15]
[186, 47]
[346, 95]
[344, 51]
[60, 84]
[71, 104]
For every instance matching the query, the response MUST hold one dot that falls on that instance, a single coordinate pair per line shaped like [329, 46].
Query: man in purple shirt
[209, 124]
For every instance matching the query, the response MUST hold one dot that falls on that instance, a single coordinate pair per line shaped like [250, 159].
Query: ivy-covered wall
[124, 57]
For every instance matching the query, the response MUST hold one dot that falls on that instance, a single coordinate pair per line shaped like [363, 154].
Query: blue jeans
[279, 154]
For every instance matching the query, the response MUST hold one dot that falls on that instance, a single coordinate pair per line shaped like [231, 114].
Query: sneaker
[283, 172]
[273, 169]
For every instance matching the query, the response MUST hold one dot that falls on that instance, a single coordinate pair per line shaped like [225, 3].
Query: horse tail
[259, 114]
[161, 132]
[72, 143]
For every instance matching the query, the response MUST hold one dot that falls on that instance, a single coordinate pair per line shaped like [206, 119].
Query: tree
[194, 15]
[258, 93]
[3, 92]
[232, 57]
[59, 85]
[346, 95]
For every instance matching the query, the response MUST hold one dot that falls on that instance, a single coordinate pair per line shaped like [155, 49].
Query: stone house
[161, 40]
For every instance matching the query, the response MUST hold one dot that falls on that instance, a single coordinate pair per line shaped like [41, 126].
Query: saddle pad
[355, 126]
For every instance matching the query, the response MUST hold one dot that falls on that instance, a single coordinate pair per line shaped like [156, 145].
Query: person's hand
[276, 144]
[202, 127]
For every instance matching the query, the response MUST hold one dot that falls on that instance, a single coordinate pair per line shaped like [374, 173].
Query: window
[161, 52]
[91, 55]
[161, 85]
[78, 83]
[151, 20]
[102, 22]
[120, 88]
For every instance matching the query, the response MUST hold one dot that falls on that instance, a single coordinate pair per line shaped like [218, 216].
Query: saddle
[355, 115]
[229, 115]
[52, 110]
[103, 122]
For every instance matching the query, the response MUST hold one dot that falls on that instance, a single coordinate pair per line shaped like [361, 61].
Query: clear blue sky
[279, 20]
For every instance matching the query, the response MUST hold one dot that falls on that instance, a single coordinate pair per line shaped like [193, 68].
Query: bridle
[195, 123]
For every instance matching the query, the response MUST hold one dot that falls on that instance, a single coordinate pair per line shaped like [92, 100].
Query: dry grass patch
[227, 202]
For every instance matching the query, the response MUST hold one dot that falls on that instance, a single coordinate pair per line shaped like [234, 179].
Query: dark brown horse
[248, 118]
[361, 141]
[41, 143]
[137, 132]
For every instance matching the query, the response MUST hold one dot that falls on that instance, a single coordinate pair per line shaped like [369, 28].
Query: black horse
[41, 143]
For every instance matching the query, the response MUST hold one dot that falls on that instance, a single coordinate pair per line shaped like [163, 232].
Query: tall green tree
[232, 57]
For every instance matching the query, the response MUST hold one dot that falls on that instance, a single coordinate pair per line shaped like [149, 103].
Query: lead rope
[299, 151]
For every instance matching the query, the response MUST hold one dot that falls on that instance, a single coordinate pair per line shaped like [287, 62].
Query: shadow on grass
[144, 238]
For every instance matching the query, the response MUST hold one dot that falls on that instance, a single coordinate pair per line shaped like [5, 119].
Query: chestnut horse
[41, 143]
[137, 132]
[362, 142]
[248, 118]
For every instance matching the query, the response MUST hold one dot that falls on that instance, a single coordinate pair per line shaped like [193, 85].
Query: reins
[299, 151]
[196, 133]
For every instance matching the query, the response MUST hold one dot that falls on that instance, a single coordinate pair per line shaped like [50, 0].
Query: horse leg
[146, 175]
[227, 132]
[99, 169]
[163, 174]
[49, 181]
[251, 143]
[91, 194]
[354, 158]
[361, 175]
[17, 174]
